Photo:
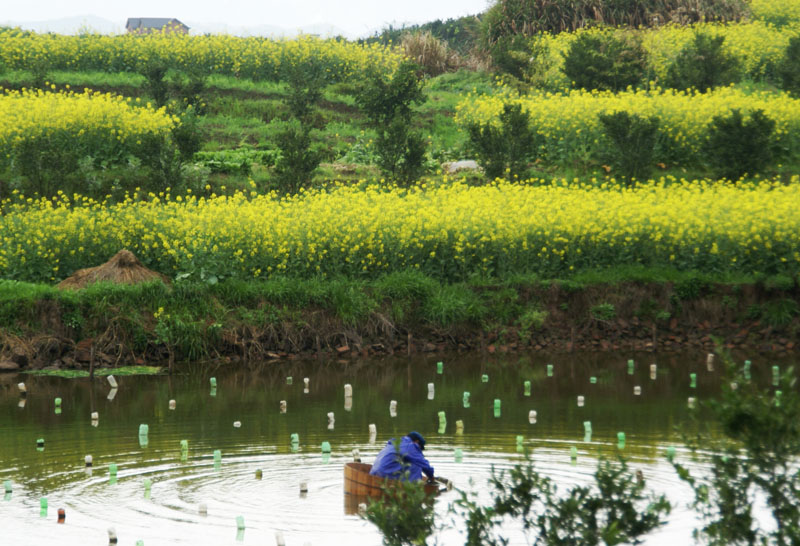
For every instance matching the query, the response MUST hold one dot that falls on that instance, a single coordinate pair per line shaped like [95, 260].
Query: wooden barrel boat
[359, 482]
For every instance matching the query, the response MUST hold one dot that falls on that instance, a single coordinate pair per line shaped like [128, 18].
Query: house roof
[151, 22]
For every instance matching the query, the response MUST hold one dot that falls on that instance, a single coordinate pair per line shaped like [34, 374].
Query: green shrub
[387, 104]
[755, 458]
[603, 61]
[633, 140]
[703, 64]
[186, 134]
[612, 509]
[603, 311]
[507, 147]
[188, 87]
[511, 55]
[155, 83]
[307, 83]
[788, 69]
[736, 147]
[298, 160]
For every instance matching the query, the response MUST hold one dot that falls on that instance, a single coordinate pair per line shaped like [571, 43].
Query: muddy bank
[555, 317]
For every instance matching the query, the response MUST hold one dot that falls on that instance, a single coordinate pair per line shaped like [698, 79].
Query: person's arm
[415, 457]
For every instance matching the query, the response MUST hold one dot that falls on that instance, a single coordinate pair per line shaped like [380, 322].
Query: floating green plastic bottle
[484, 378]
[549, 370]
[7, 486]
[58, 402]
[148, 486]
[289, 380]
[593, 380]
[458, 455]
[620, 440]
[466, 399]
[497, 407]
[527, 386]
[747, 365]
[43, 507]
[295, 438]
[112, 473]
[520, 439]
[776, 375]
[442, 417]
[40, 444]
[440, 367]
[213, 392]
[459, 427]
[213, 382]
[217, 458]
[587, 426]
[670, 453]
[259, 473]
[240, 523]
[778, 395]
[693, 380]
[573, 452]
[144, 430]
[326, 447]
[630, 366]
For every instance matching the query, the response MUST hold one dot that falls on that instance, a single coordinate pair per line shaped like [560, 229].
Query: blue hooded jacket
[391, 463]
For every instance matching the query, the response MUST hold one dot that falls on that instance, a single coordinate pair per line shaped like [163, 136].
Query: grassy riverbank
[234, 320]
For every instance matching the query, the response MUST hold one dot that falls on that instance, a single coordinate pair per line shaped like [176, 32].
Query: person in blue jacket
[404, 462]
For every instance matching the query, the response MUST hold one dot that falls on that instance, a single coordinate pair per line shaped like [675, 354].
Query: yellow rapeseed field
[254, 58]
[778, 12]
[757, 45]
[570, 130]
[93, 123]
[450, 231]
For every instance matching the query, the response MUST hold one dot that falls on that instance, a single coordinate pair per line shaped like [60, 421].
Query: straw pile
[123, 268]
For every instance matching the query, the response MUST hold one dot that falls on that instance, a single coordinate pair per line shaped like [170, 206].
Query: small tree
[736, 147]
[603, 61]
[789, 67]
[613, 510]
[298, 160]
[703, 64]
[387, 104]
[756, 458]
[155, 83]
[307, 81]
[505, 147]
[633, 140]
[404, 514]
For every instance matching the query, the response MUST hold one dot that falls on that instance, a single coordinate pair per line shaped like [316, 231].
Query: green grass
[124, 370]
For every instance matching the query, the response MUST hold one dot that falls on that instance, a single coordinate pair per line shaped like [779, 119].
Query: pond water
[169, 513]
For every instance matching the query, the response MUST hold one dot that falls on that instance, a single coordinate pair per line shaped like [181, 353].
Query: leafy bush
[604, 61]
[298, 159]
[307, 83]
[755, 458]
[155, 84]
[403, 514]
[612, 510]
[507, 147]
[788, 69]
[633, 139]
[186, 134]
[387, 104]
[703, 64]
[736, 147]
[603, 311]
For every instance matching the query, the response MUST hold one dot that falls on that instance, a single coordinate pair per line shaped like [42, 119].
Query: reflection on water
[176, 463]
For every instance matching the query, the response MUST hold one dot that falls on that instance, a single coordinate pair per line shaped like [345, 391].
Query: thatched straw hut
[123, 268]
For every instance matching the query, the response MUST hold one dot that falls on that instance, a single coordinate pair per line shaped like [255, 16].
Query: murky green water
[170, 513]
